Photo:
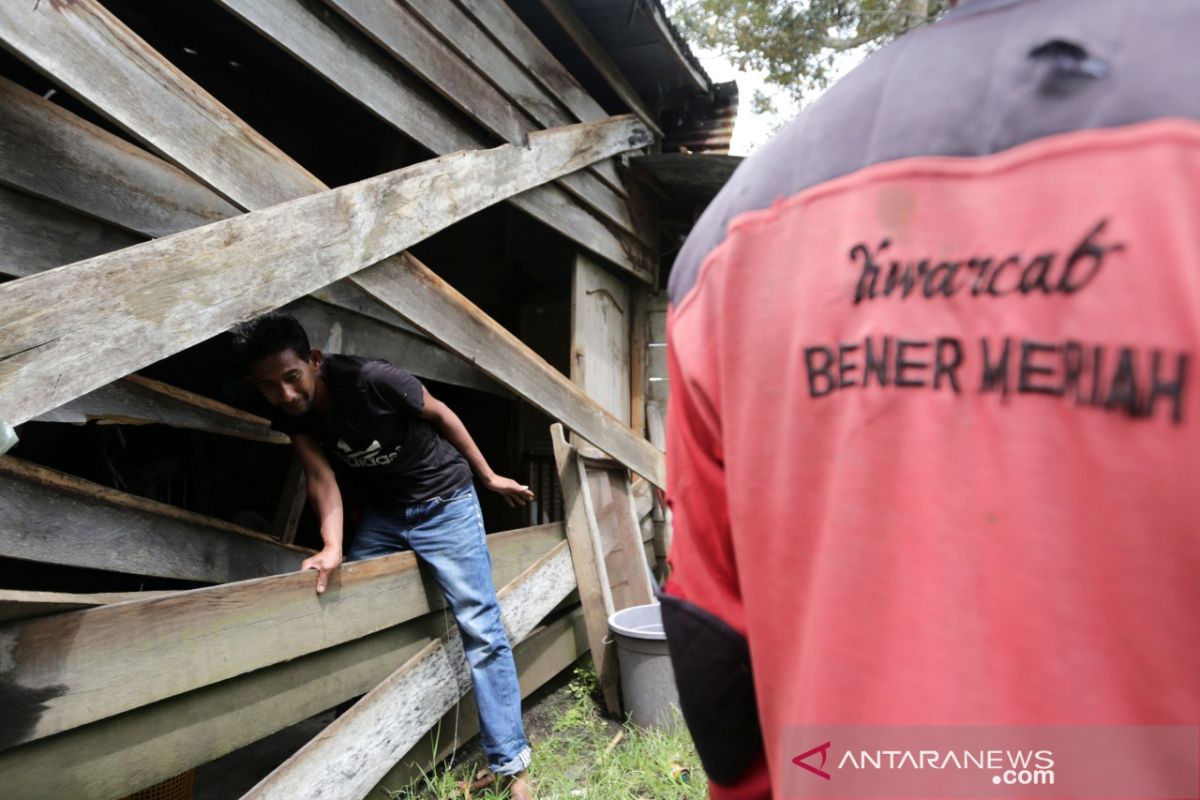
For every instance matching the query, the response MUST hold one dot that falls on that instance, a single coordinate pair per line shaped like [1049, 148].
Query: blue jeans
[447, 534]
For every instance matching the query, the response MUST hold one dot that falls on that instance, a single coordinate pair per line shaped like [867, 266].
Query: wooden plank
[333, 49]
[71, 670]
[484, 48]
[414, 291]
[600, 336]
[621, 537]
[123, 754]
[138, 400]
[53, 518]
[47, 151]
[16, 604]
[599, 58]
[95, 56]
[358, 749]
[587, 573]
[292, 499]
[404, 34]
[334, 329]
[639, 343]
[71, 330]
[545, 653]
[37, 235]
[502, 22]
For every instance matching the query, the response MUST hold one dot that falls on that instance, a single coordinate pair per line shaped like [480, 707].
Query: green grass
[577, 760]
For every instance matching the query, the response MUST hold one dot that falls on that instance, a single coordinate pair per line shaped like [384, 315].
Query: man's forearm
[327, 502]
[453, 431]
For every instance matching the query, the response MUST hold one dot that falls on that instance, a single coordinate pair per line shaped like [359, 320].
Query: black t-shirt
[380, 447]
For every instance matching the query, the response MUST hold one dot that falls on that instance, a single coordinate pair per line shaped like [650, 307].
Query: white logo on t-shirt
[368, 457]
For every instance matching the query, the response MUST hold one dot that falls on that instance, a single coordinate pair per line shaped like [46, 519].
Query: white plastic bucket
[647, 681]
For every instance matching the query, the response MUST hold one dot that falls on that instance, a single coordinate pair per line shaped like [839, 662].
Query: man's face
[288, 381]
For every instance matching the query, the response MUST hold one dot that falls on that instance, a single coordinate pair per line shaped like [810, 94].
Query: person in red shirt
[933, 427]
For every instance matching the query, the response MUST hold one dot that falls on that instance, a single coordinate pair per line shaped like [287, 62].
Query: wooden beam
[335, 329]
[89, 51]
[137, 400]
[414, 291]
[599, 58]
[37, 235]
[47, 151]
[123, 754]
[502, 22]
[71, 670]
[333, 49]
[404, 34]
[102, 61]
[601, 311]
[71, 330]
[53, 518]
[639, 343]
[358, 749]
[585, 557]
[16, 604]
[292, 499]
[545, 653]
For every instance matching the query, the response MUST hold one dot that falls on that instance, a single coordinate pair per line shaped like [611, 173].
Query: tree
[797, 43]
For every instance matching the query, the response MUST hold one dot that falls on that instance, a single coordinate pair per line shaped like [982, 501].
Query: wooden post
[585, 556]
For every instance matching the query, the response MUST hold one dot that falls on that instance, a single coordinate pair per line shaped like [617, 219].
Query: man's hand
[513, 493]
[324, 563]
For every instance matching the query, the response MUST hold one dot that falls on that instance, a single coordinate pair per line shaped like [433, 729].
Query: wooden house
[487, 193]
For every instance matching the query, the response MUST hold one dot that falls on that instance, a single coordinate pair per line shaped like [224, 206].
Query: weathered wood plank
[332, 48]
[473, 40]
[37, 235]
[404, 34]
[78, 44]
[53, 518]
[335, 329]
[71, 330]
[71, 670]
[47, 151]
[122, 754]
[639, 343]
[292, 499]
[435, 307]
[350, 756]
[16, 604]
[502, 22]
[595, 53]
[137, 400]
[601, 311]
[546, 652]
[585, 557]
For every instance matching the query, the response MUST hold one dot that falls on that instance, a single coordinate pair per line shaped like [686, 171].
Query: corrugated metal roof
[646, 46]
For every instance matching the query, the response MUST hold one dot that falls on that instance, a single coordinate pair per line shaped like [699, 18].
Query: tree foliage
[796, 43]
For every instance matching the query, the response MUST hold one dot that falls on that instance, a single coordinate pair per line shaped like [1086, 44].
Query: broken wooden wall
[176, 160]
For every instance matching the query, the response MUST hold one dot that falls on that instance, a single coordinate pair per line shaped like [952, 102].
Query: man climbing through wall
[933, 432]
[410, 460]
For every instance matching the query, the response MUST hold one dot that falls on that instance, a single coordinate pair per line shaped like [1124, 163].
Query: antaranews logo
[823, 749]
[992, 762]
